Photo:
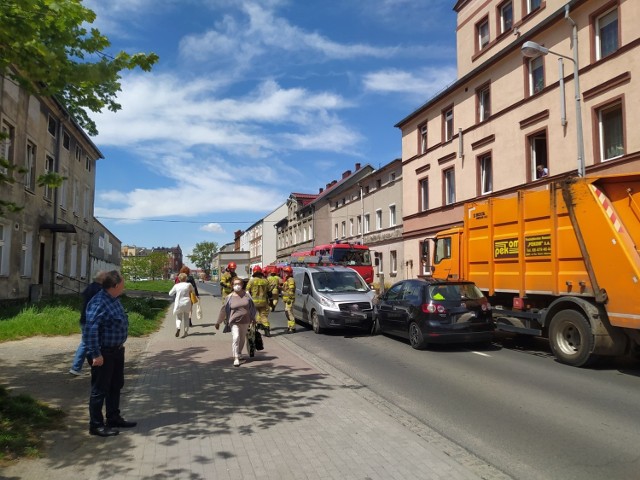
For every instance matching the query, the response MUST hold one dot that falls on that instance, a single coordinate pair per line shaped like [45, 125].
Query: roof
[305, 198]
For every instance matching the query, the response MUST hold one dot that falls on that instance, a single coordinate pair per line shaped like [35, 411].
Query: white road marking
[481, 353]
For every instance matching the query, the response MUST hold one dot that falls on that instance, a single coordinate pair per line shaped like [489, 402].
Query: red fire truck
[352, 255]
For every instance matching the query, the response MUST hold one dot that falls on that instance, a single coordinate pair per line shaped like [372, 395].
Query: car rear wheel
[570, 338]
[416, 339]
[315, 323]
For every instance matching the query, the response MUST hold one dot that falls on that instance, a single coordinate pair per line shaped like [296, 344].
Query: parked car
[434, 311]
[332, 297]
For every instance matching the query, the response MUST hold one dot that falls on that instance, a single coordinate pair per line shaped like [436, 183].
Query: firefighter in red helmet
[274, 285]
[288, 293]
[258, 288]
[226, 281]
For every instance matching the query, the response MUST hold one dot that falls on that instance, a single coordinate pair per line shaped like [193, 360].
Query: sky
[252, 100]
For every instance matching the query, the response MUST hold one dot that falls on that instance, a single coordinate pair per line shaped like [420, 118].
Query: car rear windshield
[332, 282]
[455, 292]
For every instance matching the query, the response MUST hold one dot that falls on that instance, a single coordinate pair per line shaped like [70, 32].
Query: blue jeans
[80, 358]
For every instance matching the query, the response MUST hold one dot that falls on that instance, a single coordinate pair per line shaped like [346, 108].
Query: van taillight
[433, 308]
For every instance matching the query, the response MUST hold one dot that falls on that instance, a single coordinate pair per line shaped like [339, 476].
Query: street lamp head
[533, 49]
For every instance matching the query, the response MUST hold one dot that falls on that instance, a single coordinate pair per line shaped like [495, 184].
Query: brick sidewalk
[274, 417]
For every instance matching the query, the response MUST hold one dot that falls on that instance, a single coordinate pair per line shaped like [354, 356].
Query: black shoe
[267, 331]
[177, 333]
[120, 423]
[103, 431]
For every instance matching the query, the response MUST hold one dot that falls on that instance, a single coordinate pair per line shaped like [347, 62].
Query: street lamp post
[533, 49]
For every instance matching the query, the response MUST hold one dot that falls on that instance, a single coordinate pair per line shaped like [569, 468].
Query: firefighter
[274, 286]
[258, 288]
[288, 293]
[226, 281]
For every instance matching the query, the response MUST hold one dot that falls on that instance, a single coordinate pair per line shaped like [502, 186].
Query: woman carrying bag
[239, 312]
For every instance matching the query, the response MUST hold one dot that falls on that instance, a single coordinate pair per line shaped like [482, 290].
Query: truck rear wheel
[571, 339]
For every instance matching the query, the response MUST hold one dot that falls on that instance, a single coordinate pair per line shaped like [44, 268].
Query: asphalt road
[511, 404]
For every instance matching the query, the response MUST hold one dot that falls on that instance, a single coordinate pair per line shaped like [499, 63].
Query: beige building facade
[508, 114]
[47, 246]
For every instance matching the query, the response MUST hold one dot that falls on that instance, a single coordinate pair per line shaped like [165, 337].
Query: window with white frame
[378, 219]
[424, 194]
[86, 209]
[335, 231]
[6, 145]
[30, 166]
[533, 5]
[447, 124]
[393, 261]
[536, 75]
[101, 242]
[73, 260]
[344, 229]
[538, 152]
[359, 222]
[351, 227]
[423, 139]
[606, 30]
[5, 244]
[310, 232]
[62, 194]
[392, 215]
[84, 255]
[449, 186]
[486, 174]
[483, 97]
[48, 168]
[482, 32]
[367, 223]
[611, 132]
[506, 16]
[62, 248]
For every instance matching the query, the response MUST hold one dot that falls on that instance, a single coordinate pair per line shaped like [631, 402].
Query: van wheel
[416, 339]
[315, 323]
[570, 338]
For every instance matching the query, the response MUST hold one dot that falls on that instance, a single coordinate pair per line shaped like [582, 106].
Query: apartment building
[295, 230]
[260, 239]
[47, 246]
[508, 113]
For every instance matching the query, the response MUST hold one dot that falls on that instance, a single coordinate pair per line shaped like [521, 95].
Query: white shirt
[183, 300]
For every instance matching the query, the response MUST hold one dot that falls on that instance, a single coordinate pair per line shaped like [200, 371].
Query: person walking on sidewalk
[274, 286]
[182, 305]
[187, 271]
[288, 294]
[226, 281]
[258, 288]
[239, 312]
[87, 294]
[105, 334]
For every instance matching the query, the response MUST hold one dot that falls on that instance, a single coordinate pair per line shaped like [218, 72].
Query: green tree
[202, 254]
[158, 265]
[134, 268]
[47, 48]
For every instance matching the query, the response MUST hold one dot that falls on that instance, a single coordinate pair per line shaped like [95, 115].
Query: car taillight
[486, 307]
[433, 308]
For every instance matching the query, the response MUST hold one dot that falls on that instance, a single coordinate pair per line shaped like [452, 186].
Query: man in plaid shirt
[104, 335]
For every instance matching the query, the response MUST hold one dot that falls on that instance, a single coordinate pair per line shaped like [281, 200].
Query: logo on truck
[506, 248]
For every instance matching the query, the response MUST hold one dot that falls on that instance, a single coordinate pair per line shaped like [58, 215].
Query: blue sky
[252, 100]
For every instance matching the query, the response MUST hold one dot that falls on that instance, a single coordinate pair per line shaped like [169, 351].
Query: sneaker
[75, 372]
[177, 333]
[236, 362]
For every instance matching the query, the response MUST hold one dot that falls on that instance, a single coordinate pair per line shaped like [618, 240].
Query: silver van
[332, 297]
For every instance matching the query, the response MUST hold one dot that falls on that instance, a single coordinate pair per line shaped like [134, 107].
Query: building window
[84, 254]
[62, 194]
[6, 146]
[538, 153]
[62, 246]
[424, 194]
[5, 235]
[87, 163]
[423, 139]
[351, 227]
[536, 75]
[449, 186]
[393, 261]
[52, 126]
[101, 242]
[482, 33]
[73, 266]
[30, 167]
[610, 132]
[367, 223]
[359, 222]
[533, 5]
[606, 29]
[378, 183]
[392, 176]
[486, 174]
[506, 16]
[344, 229]
[76, 197]
[48, 168]
[78, 152]
[86, 210]
[483, 98]
[335, 231]
[380, 263]
[392, 215]
[66, 141]
[378, 219]
[447, 123]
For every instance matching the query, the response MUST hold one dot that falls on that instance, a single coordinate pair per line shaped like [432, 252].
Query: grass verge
[22, 422]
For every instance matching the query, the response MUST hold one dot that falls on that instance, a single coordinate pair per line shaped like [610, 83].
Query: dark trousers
[106, 383]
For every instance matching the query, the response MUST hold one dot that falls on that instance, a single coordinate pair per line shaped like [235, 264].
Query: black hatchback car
[434, 311]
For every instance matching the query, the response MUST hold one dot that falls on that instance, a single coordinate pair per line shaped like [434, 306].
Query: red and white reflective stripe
[608, 209]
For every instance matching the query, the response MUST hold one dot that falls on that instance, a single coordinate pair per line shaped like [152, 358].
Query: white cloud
[213, 228]
[424, 83]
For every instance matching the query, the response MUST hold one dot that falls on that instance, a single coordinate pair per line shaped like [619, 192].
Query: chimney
[328, 186]
[321, 190]
[333, 182]
[357, 167]
[346, 174]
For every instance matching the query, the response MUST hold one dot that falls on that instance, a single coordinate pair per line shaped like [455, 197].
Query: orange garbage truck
[561, 263]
